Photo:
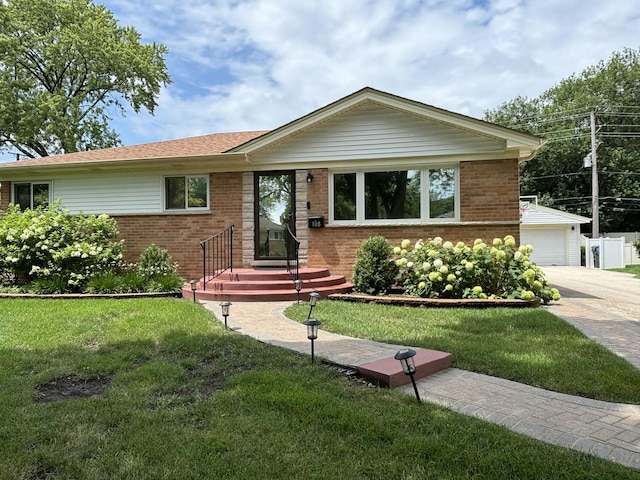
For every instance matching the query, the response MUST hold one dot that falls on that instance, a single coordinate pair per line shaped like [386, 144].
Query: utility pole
[595, 209]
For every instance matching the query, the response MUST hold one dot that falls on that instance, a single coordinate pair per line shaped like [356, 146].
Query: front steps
[267, 285]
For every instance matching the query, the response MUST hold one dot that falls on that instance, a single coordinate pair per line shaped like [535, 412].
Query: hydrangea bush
[48, 242]
[437, 269]
[47, 250]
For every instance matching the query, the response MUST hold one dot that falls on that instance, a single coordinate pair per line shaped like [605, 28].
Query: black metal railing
[292, 245]
[217, 255]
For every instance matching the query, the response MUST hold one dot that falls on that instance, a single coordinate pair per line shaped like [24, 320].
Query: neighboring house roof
[539, 215]
[237, 150]
[267, 224]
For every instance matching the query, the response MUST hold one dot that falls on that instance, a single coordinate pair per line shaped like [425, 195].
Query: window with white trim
[399, 196]
[187, 192]
[32, 195]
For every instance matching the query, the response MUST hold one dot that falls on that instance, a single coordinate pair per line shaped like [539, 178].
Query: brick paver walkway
[607, 430]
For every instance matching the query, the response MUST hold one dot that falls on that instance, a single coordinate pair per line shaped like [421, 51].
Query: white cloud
[253, 64]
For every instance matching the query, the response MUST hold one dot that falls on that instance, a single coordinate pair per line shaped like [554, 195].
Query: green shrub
[374, 271]
[132, 282]
[171, 282]
[636, 245]
[153, 273]
[438, 269]
[155, 261]
[103, 282]
[49, 285]
[50, 243]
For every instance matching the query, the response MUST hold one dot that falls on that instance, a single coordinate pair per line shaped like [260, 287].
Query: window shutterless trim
[48, 183]
[424, 197]
[186, 206]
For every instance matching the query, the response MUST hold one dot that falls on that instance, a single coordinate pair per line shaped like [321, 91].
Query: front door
[274, 194]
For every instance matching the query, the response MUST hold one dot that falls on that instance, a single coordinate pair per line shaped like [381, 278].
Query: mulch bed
[406, 300]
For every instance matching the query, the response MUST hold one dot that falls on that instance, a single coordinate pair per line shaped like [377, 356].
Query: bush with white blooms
[440, 269]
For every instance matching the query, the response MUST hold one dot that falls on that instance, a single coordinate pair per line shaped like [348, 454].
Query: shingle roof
[213, 144]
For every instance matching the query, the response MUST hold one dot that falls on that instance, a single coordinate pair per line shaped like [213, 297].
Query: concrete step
[388, 371]
[270, 274]
[276, 284]
[268, 285]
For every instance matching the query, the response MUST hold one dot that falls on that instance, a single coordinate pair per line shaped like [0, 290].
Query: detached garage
[554, 234]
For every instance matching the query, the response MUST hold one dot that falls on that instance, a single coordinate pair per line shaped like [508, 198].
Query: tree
[65, 68]
[556, 175]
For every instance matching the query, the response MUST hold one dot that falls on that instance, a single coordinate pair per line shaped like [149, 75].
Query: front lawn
[156, 389]
[529, 345]
[632, 269]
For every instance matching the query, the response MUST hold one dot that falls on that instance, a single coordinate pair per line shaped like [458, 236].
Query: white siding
[537, 216]
[574, 245]
[111, 194]
[375, 131]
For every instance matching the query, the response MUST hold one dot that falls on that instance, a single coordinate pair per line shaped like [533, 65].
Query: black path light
[313, 299]
[298, 284]
[194, 284]
[405, 356]
[312, 333]
[225, 311]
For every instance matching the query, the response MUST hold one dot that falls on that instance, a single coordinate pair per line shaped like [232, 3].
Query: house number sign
[316, 221]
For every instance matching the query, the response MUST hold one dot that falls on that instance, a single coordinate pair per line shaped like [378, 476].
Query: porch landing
[267, 285]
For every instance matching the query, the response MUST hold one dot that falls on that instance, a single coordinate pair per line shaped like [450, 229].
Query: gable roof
[238, 147]
[526, 144]
[539, 215]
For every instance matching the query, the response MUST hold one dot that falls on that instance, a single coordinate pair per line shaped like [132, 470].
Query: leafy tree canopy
[557, 174]
[65, 67]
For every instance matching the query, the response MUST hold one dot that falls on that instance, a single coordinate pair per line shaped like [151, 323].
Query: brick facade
[489, 191]
[181, 234]
[488, 208]
[5, 195]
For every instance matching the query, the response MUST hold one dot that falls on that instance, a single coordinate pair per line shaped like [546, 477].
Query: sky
[258, 64]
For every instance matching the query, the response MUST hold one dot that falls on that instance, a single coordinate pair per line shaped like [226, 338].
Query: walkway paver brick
[607, 430]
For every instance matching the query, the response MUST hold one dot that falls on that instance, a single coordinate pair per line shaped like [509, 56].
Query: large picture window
[31, 195]
[186, 193]
[397, 196]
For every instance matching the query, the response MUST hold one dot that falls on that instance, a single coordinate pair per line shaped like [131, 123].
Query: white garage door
[549, 244]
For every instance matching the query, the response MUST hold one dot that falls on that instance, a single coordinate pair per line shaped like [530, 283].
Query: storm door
[274, 194]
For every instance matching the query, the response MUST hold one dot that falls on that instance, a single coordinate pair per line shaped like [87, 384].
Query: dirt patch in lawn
[71, 387]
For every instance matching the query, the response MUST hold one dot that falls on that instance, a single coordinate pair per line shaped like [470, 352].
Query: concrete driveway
[604, 305]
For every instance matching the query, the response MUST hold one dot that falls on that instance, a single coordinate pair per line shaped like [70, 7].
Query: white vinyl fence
[604, 252]
[630, 255]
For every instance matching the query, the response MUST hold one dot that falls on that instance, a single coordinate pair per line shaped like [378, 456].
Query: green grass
[189, 400]
[529, 346]
[633, 269]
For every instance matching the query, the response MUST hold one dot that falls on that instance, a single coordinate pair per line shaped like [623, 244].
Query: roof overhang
[186, 164]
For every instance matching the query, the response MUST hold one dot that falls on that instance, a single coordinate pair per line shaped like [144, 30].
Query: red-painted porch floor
[267, 285]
